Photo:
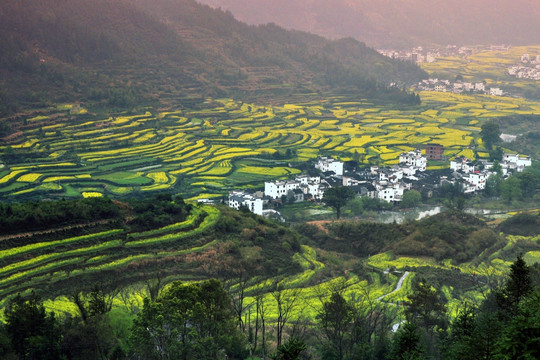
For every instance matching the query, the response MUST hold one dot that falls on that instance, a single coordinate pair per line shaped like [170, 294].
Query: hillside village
[385, 183]
[458, 87]
[421, 54]
[528, 69]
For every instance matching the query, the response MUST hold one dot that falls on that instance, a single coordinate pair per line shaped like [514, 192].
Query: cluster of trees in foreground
[201, 321]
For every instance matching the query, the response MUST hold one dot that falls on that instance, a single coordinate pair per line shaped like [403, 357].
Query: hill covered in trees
[119, 53]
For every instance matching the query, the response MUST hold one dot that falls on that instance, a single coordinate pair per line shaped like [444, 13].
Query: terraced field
[48, 260]
[223, 144]
[487, 65]
[55, 262]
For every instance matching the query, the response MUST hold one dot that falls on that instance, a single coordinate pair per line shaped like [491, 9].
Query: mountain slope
[89, 50]
[391, 23]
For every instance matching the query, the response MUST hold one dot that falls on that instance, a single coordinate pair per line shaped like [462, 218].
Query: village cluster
[528, 69]
[420, 54]
[458, 87]
[385, 183]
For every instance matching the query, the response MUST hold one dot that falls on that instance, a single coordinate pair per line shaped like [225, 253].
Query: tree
[521, 337]
[286, 302]
[337, 197]
[293, 349]
[92, 335]
[426, 309]
[451, 191]
[497, 167]
[336, 321]
[424, 305]
[528, 182]
[518, 286]
[411, 199]
[188, 321]
[459, 343]
[496, 155]
[490, 134]
[493, 185]
[406, 343]
[511, 189]
[34, 333]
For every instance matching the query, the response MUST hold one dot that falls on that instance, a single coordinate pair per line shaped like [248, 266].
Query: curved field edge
[34, 266]
[208, 152]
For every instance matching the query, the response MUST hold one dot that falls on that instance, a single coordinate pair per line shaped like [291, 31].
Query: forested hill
[96, 50]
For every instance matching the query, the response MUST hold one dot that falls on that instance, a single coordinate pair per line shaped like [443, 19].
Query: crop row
[75, 261]
[212, 215]
[191, 221]
[114, 161]
[18, 251]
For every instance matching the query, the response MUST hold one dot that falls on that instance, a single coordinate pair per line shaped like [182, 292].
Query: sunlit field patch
[30, 177]
[119, 154]
[91, 194]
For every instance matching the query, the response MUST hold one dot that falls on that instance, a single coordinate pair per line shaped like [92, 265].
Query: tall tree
[426, 308]
[411, 199]
[34, 333]
[91, 335]
[406, 343]
[518, 286]
[511, 189]
[490, 134]
[336, 321]
[521, 337]
[188, 321]
[337, 197]
[286, 301]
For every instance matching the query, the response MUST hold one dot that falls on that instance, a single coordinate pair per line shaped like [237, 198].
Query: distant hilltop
[403, 23]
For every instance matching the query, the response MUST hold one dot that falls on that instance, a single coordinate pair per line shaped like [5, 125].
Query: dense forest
[121, 53]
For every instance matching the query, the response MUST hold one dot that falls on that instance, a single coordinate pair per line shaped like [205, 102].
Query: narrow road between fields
[398, 286]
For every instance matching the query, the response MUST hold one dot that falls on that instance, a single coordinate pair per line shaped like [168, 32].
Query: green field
[201, 246]
[229, 144]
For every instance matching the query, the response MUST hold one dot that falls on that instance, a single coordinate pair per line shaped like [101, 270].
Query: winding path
[398, 286]
[396, 326]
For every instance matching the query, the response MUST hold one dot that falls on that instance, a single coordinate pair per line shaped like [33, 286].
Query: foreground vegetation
[200, 321]
[280, 283]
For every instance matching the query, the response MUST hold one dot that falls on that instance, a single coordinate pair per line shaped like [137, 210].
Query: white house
[467, 86]
[391, 193]
[350, 181]
[496, 92]
[461, 164]
[279, 188]
[440, 88]
[408, 170]
[478, 180]
[306, 179]
[240, 198]
[507, 138]
[516, 161]
[275, 189]
[328, 164]
[414, 159]
[479, 86]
